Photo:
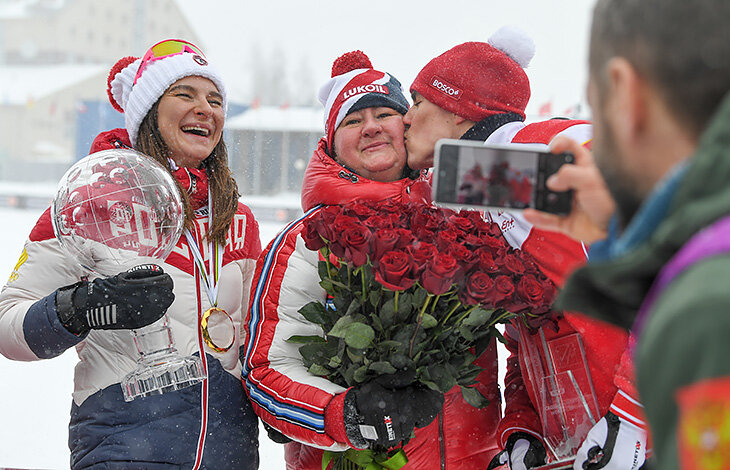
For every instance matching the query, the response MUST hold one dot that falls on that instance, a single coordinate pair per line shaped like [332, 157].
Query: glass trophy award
[117, 209]
[566, 400]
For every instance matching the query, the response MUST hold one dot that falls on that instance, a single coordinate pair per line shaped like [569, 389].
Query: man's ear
[627, 106]
[460, 125]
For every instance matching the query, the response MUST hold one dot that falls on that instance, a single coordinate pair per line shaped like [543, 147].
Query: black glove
[522, 452]
[129, 300]
[388, 416]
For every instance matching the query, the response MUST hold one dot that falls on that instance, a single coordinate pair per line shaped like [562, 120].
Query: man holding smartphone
[659, 89]
[479, 91]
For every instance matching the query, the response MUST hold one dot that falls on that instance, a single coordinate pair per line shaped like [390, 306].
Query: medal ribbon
[210, 278]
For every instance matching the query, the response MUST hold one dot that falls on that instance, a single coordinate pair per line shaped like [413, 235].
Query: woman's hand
[593, 205]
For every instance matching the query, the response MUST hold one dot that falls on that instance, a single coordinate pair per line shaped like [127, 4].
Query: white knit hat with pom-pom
[479, 79]
[136, 99]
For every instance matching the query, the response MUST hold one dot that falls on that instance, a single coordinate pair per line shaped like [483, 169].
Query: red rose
[394, 271]
[479, 288]
[530, 289]
[359, 209]
[380, 221]
[351, 240]
[440, 274]
[446, 237]
[486, 261]
[421, 253]
[426, 217]
[504, 288]
[311, 237]
[384, 240]
[357, 242]
[405, 238]
[462, 224]
[466, 257]
[513, 264]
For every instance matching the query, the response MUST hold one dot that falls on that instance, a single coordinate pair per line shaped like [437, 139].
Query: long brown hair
[223, 188]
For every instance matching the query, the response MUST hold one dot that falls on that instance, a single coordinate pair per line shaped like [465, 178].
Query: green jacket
[686, 339]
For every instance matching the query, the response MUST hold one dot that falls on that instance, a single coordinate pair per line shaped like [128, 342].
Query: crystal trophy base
[160, 367]
[174, 373]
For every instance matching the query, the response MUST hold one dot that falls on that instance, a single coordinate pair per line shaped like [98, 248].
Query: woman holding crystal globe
[174, 105]
[362, 157]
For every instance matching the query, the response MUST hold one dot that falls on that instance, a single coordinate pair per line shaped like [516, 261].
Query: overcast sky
[400, 36]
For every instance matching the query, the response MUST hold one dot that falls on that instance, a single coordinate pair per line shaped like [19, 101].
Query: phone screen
[469, 174]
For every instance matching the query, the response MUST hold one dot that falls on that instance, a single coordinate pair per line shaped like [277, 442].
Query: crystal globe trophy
[113, 210]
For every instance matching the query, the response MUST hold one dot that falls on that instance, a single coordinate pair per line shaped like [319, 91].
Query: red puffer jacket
[299, 405]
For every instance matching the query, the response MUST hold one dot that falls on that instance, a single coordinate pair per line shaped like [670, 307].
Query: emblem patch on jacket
[703, 432]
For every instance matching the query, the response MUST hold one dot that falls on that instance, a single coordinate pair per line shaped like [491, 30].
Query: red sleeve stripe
[629, 409]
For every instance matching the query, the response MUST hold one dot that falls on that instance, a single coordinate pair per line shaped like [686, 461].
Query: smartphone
[469, 174]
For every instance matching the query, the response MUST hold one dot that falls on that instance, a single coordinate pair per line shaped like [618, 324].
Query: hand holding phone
[593, 205]
[471, 174]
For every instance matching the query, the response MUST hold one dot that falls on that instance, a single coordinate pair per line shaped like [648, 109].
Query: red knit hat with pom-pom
[479, 79]
[356, 85]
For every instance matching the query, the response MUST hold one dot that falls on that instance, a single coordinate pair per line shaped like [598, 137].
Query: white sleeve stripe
[627, 397]
[627, 416]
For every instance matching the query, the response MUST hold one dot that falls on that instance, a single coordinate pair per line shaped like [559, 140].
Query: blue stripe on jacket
[282, 410]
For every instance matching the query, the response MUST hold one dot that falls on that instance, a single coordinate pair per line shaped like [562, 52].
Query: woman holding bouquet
[362, 157]
[174, 106]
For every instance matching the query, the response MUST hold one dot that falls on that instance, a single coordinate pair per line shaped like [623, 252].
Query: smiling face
[190, 119]
[370, 143]
[426, 123]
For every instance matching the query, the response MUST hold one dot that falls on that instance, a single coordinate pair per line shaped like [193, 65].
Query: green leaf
[315, 312]
[374, 297]
[355, 355]
[354, 307]
[316, 369]
[419, 296]
[382, 367]
[387, 313]
[335, 362]
[341, 327]
[316, 353]
[401, 361]
[499, 336]
[377, 324]
[474, 397]
[359, 335]
[466, 333]
[477, 317]
[361, 374]
[298, 339]
[322, 270]
[428, 321]
[328, 287]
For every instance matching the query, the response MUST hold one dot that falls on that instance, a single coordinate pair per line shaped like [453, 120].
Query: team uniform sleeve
[283, 393]
[29, 327]
[519, 413]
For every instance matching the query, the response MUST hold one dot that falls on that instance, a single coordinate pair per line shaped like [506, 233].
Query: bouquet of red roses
[415, 292]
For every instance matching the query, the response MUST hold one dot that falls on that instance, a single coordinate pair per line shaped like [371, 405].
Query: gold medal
[206, 334]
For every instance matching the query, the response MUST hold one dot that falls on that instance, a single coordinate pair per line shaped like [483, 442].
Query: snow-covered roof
[10, 9]
[20, 84]
[267, 118]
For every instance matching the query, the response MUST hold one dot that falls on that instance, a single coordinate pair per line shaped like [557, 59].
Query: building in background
[54, 59]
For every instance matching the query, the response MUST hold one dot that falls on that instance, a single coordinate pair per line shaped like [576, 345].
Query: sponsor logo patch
[363, 89]
[446, 88]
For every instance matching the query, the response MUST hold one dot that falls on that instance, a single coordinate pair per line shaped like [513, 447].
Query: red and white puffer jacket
[209, 425]
[552, 347]
[307, 408]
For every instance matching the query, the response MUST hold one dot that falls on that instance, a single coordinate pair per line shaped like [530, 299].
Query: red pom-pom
[118, 67]
[350, 61]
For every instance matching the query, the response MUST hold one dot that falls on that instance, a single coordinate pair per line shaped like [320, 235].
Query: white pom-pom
[515, 43]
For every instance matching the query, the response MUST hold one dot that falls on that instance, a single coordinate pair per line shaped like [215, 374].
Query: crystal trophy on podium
[566, 399]
[113, 210]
